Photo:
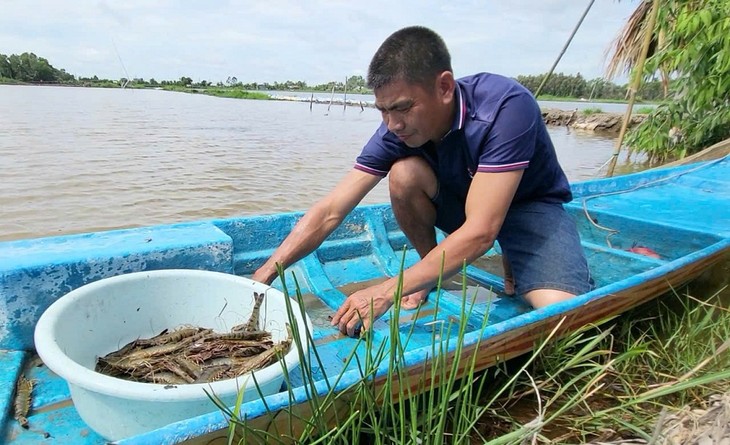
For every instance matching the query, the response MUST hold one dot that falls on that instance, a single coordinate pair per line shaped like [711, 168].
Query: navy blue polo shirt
[497, 127]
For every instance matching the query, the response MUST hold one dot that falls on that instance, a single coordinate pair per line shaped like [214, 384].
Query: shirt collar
[460, 114]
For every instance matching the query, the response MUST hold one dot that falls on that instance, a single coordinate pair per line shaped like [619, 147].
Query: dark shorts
[539, 239]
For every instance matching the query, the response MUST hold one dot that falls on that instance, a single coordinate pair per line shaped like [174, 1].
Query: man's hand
[356, 308]
[264, 276]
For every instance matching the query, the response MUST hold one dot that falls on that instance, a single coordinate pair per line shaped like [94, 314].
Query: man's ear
[445, 85]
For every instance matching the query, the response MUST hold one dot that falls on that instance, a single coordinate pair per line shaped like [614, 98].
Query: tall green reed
[606, 380]
[423, 403]
[614, 379]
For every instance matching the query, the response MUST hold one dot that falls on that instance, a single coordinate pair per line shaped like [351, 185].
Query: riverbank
[586, 120]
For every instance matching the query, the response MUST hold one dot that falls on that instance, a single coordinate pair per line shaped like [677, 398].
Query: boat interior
[675, 218]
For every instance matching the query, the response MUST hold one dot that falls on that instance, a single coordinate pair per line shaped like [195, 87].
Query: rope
[598, 170]
[565, 47]
[633, 189]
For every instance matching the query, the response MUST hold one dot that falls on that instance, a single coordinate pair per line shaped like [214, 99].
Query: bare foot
[413, 300]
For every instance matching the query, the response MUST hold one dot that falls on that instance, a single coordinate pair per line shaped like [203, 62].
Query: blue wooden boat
[682, 214]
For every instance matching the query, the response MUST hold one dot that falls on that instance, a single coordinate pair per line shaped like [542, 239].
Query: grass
[644, 110]
[233, 93]
[613, 381]
[591, 111]
[607, 381]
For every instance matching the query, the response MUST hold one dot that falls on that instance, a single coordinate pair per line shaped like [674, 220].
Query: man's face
[413, 113]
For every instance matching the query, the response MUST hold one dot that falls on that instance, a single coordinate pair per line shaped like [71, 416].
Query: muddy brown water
[81, 159]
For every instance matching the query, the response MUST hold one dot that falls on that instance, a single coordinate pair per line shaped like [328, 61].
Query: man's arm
[487, 202]
[319, 221]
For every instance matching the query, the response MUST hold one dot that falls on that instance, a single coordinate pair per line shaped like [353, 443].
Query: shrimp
[252, 324]
[24, 389]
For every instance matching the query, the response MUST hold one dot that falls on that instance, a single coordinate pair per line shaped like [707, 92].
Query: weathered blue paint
[35, 273]
[11, 364]
[681, 213]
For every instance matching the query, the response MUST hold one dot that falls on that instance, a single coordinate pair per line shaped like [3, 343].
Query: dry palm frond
[626, 47]
[707, 424]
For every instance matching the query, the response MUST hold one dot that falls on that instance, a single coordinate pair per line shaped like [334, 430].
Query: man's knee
[412, 174]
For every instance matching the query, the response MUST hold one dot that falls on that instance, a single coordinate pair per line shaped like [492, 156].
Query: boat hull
[680, 215]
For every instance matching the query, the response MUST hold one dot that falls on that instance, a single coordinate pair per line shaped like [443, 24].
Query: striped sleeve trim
[372, 171]
[496, 168]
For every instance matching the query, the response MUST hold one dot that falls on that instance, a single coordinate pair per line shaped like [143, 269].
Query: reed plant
[606, 381]
[616, 380]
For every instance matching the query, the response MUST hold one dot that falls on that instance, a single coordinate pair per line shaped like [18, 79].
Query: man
[469, 156]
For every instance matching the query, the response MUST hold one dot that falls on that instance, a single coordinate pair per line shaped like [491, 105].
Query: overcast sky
[314, 41]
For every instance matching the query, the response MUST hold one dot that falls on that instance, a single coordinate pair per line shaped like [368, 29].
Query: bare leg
[412, 185]
[542, 297]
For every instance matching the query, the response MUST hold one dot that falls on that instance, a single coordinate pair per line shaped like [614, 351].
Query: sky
[315, 41]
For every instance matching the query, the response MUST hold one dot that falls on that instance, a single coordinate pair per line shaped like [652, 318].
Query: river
[81, 159]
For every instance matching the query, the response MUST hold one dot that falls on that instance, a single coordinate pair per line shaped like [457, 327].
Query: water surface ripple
[79, 159]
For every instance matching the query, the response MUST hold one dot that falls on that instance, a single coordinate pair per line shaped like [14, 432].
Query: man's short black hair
[414, 54]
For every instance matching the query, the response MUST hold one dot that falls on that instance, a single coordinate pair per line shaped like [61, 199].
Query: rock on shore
[600, 122]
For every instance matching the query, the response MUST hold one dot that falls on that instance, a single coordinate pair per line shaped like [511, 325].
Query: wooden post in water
[332, 98]
[636, 81]
[344, 101]
[311, 101]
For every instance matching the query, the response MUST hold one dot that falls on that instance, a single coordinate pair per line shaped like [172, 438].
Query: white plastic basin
[103, 316]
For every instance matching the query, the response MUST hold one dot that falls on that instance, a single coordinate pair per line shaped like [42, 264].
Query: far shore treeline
[28, 68]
